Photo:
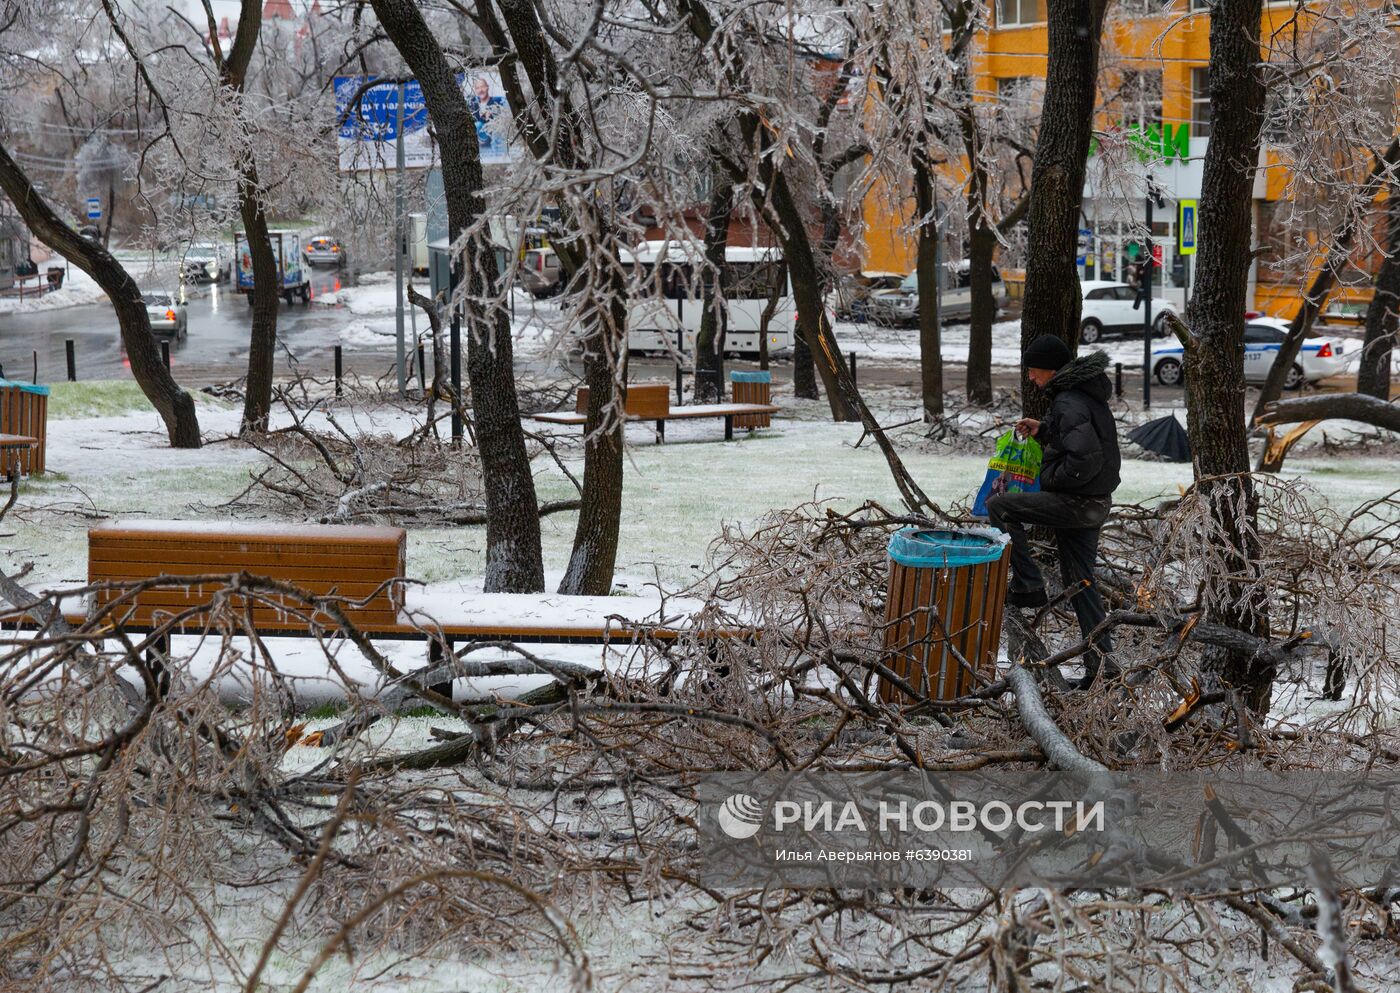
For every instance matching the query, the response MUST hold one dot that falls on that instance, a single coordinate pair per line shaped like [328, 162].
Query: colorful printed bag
[1015, 468]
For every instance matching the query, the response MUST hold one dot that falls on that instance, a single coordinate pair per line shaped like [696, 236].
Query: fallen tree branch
[1347, 406]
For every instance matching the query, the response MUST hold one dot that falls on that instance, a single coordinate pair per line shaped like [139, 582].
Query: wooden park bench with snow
[295, 578]
[652, 402]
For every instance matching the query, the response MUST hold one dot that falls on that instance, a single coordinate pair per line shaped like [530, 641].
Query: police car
[1317, 359]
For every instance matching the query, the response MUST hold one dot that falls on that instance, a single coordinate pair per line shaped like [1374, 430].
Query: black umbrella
[1165, 436]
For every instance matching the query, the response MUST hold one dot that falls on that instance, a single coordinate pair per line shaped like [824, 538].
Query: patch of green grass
[325, 711]
[105, 398]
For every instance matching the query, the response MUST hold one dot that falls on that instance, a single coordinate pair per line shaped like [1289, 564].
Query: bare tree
[1052, 299]
[1214, 343]
[1383, 314]
[514, 561]
[175, 406]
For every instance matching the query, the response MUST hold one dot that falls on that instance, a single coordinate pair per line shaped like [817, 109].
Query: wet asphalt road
[215, 350]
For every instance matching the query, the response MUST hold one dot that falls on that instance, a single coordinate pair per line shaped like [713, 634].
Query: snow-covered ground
[78, 288]
[108, 458]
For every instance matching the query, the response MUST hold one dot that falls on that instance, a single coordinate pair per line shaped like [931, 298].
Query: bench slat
[356, 563]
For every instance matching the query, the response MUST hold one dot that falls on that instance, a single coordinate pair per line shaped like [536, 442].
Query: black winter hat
[1047, 352]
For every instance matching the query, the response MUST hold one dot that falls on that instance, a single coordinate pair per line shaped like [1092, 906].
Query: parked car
[1108, 309]
[167, 314]
[1318, 358]
[205, 262]
[853, 291]
[540, 272]
[324, 250]
[900, 306]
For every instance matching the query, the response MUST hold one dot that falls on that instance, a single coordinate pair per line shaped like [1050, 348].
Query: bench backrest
[648, 401]
[351, 562]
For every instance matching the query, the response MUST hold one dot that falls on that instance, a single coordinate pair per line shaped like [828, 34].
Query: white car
[167, 314]
[1108, 309]
[205, 262]
[1318, 358]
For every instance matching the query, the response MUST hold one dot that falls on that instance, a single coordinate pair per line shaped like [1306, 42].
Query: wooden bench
[358, 563]
[652, 402]
[355, 562]
[362, 564]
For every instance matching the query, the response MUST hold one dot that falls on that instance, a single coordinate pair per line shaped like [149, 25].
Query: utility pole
[1145, 288]
[399, 239]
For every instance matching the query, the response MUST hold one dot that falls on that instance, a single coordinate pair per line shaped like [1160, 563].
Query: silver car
[324, 250]
[900, 306]
[167, 314]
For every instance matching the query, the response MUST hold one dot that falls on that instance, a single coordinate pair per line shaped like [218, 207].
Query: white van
[664, 314]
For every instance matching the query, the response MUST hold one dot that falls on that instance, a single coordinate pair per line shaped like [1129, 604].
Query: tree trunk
[1214, 345]
[1338, 256]
[1373, 377]
[514, 562]
[267, 283]
[175, 406]
[1052, 299]
[594, 556]
[804, 370]
[929, 283]
[709, 343]
[812, 324]
[560, 139]
[982, 244]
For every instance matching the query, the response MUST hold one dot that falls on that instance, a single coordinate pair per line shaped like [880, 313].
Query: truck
[286, 248]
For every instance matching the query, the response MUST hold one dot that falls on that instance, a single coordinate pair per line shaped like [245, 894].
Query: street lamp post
[1154, 196]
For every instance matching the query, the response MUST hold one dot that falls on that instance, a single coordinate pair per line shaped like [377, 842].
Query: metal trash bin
[24, 410]
[946, 596]
[752, 387]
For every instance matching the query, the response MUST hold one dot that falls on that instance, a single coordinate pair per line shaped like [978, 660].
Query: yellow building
[1155, 64]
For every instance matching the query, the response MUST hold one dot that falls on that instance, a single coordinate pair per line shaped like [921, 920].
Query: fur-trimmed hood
[1087, 373]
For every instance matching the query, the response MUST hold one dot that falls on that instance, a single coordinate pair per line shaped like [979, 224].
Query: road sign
[1157, 255]
[1186, 227]
[94, 206]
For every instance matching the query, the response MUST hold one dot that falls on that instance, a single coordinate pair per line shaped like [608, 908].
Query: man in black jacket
[1078, 474]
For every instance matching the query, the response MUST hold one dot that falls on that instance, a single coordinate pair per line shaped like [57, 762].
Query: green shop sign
[1164, 142]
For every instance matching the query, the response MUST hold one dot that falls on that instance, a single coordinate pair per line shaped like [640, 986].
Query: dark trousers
[1076, 521]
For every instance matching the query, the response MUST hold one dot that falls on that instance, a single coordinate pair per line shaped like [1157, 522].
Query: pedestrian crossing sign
[1186, 227]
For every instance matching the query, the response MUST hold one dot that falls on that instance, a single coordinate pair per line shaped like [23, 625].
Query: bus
[664, 314]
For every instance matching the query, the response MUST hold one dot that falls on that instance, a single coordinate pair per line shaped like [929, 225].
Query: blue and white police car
[1318, 358]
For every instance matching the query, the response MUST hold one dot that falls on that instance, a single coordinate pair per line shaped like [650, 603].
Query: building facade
[1153, 85]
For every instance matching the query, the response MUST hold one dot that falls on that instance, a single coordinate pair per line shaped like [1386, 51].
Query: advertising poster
[367, 114]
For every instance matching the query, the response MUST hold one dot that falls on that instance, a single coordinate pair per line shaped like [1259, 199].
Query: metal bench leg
[728, 427]
[436, 659]
[660, 432]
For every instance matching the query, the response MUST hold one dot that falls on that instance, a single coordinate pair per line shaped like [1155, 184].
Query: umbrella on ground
[1165, 436]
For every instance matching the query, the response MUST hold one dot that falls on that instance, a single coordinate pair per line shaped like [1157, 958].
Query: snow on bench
[728, 411]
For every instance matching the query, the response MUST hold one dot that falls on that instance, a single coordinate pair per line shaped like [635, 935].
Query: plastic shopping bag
[1015, 468]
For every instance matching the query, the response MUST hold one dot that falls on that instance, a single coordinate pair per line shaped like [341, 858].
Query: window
[1262, 334]
[1102, 294]
[1013, 12]
[1140, 97]
[1200, 102]
[1124, 293]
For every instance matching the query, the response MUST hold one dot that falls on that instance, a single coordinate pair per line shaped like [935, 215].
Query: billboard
[367, 114]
